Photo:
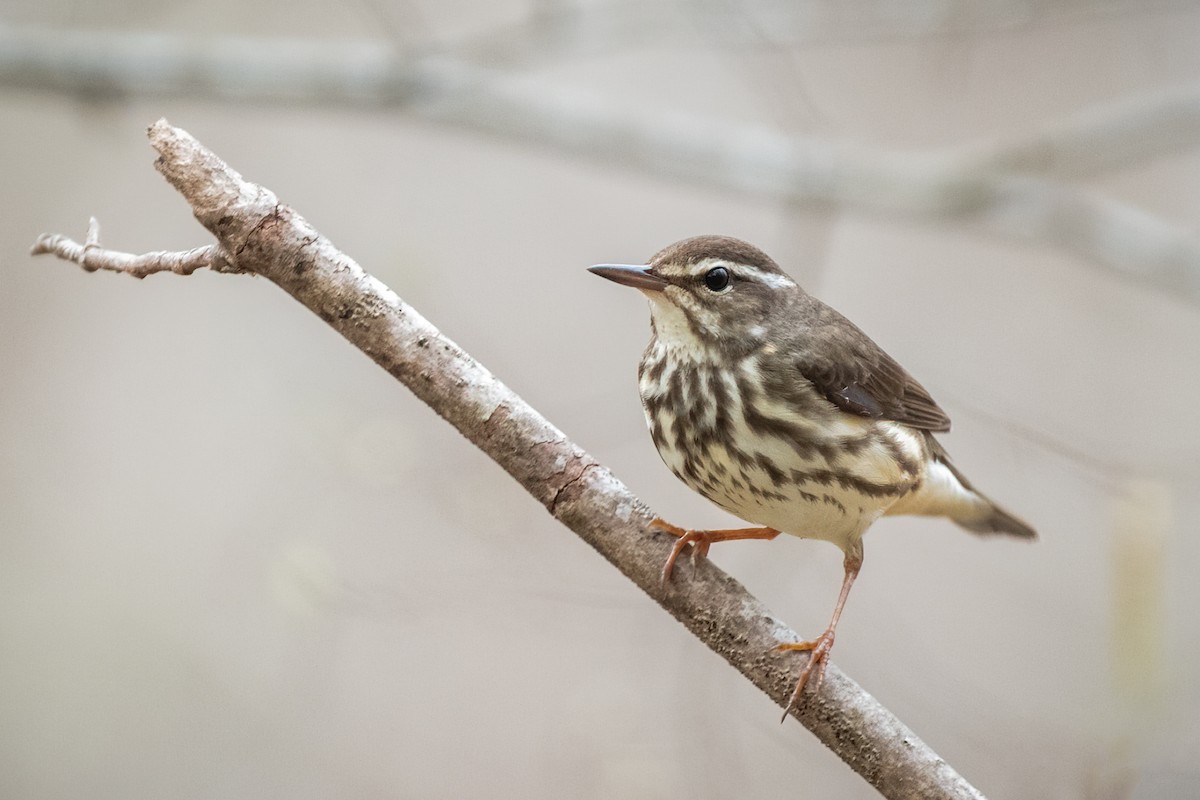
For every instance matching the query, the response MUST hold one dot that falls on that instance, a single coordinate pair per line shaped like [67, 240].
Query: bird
[781, 411]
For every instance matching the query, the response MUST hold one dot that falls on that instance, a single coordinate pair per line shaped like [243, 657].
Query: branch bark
[257, 234]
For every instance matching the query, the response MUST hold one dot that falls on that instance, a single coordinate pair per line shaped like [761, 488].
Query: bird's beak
[639, 277]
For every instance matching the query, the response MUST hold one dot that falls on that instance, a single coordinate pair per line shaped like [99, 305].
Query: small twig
[272, 240]
[92, 257]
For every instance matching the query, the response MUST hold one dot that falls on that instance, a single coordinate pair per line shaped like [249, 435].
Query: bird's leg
[702, 540]
[818, 649]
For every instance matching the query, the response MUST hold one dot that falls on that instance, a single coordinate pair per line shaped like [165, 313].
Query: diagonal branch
[259, 235]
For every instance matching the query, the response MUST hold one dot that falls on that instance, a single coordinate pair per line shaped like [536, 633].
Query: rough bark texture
[257, 234]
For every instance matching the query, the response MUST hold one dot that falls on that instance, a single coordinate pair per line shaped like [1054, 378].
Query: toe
[662, 526]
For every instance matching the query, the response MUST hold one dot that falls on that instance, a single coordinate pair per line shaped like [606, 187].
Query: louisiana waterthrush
[781, 411]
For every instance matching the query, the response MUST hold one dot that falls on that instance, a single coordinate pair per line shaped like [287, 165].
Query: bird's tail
[994, 519]
[947, 492]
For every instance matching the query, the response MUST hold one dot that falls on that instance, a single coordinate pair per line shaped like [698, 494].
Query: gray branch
[257, 234]
[1002, 187]
[92, 257]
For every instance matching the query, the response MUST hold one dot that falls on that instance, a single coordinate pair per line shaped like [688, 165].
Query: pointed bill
[639, 277]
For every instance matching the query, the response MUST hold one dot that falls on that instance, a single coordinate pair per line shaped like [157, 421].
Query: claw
[662, 526]
[685, 538]
[813, 672]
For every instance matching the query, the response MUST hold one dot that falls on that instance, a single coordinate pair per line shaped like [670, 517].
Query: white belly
[835, 476]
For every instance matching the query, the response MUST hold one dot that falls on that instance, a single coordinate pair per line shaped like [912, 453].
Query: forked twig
[92, 257]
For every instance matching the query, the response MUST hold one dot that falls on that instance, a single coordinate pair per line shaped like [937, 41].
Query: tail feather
[949, 493]
[996, 520]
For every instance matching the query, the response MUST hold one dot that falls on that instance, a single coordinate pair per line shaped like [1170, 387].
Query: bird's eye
[716, 279]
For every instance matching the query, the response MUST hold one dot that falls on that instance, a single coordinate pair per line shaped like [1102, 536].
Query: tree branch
[257, 234]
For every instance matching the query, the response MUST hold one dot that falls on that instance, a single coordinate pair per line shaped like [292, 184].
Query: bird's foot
[814, 671]
[702, 540]
[683, 537]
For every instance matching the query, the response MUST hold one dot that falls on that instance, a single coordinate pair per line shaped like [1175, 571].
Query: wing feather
[856, 375]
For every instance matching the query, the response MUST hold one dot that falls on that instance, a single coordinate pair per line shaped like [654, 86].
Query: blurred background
[239, 560]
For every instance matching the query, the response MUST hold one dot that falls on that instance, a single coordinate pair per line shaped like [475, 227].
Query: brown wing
[857, 376]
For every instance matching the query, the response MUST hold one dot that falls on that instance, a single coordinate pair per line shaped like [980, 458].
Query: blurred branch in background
[563, 30]
[1010, 188]
[256, 234]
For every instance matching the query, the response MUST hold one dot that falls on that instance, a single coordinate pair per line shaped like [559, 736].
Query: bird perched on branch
[782, 412]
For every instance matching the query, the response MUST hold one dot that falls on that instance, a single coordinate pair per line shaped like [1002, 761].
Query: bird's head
[709, 292]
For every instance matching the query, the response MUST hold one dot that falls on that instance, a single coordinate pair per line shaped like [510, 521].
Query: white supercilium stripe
[773, 279]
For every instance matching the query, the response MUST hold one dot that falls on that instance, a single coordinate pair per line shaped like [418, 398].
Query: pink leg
[819, 648]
